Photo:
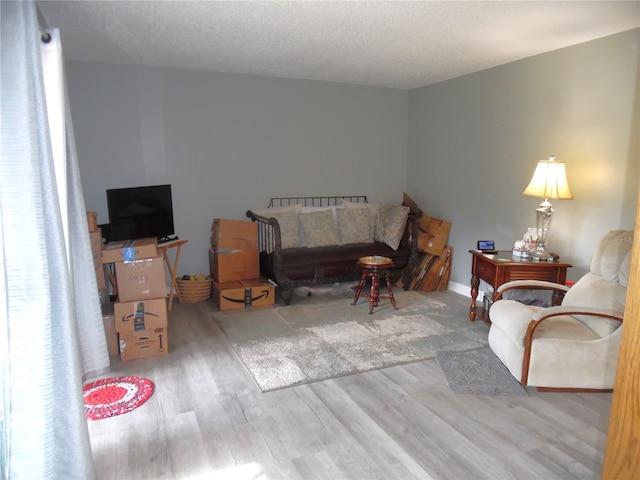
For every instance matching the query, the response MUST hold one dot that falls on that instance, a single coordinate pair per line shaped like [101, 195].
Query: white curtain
[51, 332]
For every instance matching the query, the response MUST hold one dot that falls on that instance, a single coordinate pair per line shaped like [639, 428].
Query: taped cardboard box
[234, 234]
[143, 344]
[140, 315]
[227, 266]
[92, 221]
[128, 250]
[141, 279]
[108, 319]
[243, 294]
[433, 235]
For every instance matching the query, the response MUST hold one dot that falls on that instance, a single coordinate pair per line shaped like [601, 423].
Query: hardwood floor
[207, 419]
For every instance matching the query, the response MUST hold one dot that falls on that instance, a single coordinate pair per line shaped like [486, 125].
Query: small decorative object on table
[523, 248]
[194, 288]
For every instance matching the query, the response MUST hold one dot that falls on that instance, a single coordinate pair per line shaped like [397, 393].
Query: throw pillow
[354, 226]
[311, 209]
[287, 217]
[390, 224]
[289, 230]
[373, 214]
[319, 229]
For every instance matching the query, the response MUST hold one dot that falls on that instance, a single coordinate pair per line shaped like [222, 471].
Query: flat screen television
[140, 212]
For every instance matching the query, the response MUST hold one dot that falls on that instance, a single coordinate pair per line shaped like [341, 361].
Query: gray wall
[228, 143]
[474, 142]
[464, 149]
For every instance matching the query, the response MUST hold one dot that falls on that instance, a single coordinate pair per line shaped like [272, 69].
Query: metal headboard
[315, 201]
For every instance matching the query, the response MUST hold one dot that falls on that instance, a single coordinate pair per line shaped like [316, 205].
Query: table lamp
[549, 181]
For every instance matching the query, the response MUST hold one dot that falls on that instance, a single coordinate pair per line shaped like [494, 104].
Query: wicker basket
[192, 291]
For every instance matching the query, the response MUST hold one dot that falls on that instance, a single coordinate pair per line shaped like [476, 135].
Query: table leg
[172, 271]
[475, 284]
[375, 291]
[390, 290]
[359, 290]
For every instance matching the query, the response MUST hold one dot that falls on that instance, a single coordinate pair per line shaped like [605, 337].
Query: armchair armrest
[547, 313]
[528, 284]
[550, 312]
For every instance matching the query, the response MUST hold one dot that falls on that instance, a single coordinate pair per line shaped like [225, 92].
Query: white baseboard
[460, 288]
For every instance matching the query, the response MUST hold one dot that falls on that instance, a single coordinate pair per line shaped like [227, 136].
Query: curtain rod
[42, 25]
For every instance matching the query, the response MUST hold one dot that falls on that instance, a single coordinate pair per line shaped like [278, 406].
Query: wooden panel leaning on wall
[433, 268]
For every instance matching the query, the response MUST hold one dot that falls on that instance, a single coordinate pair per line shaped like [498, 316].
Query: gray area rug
[478, 372]
[304, 342]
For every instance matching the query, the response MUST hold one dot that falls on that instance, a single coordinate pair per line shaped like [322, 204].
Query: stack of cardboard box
[141, 308]
[434, 256]
[95, 236]
[234, 264]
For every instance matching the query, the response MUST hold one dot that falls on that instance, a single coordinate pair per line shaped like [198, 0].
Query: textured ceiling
[399, 44]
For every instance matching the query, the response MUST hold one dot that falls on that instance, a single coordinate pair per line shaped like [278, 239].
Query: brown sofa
[319, 260]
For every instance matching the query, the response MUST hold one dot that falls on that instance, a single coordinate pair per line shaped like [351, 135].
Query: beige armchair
[573, 346]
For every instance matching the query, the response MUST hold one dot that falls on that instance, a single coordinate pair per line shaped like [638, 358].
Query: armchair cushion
[595, 292]
[564, 350]
[611, 256]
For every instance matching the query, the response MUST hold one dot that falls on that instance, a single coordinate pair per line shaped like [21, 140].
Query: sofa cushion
[372, 208]
[289, 231]
[350, 253]
[313, 208]
[319, 228]
[354, 226]
[287, 217]
[390, 224]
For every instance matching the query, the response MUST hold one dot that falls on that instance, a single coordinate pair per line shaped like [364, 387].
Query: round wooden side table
[375, 267]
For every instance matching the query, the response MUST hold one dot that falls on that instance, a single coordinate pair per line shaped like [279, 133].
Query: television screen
[140, 212]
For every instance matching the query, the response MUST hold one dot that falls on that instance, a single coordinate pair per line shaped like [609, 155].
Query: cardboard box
[236, 265]
[128, 250]
[141, 279]
[234, 235]
[108, 320]
[96, 250]
[92, 221]
[140, 315]
[243, 294]
[433, 235]
[143, 344]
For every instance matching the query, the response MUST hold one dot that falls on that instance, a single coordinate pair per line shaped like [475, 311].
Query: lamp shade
[549, 181]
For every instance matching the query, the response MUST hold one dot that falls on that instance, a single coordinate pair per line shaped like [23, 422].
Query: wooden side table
[503, 267]
[173, 268]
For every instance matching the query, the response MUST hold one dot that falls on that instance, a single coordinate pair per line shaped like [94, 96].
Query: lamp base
[544, 213]
[541, 256]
